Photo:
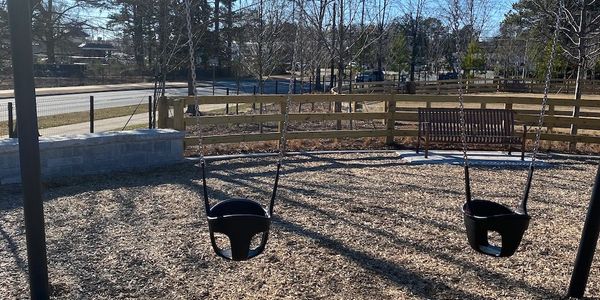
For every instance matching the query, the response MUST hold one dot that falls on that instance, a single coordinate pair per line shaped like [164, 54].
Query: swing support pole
[19, 17]
[587, 244]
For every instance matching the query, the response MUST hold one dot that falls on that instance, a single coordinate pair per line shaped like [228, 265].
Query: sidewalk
[110, 124]
[99, 125]
[93, 88]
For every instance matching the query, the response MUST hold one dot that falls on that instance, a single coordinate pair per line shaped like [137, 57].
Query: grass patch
[81, 117]
[132, 127]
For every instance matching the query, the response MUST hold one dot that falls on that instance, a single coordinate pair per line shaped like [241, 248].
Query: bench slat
[482, 126]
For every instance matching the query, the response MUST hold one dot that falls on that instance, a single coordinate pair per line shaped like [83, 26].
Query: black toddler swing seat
[240, 220]
[483, 216]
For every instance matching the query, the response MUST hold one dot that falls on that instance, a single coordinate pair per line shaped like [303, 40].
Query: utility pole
[19, 17]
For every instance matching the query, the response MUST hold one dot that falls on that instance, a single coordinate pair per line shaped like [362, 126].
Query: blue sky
[500, 8]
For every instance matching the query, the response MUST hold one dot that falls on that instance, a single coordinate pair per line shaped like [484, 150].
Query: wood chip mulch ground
[346, 226]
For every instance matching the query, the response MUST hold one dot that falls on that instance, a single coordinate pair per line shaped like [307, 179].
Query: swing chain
[188, 14]
[538, 134]
[461, 99]
[288, 101]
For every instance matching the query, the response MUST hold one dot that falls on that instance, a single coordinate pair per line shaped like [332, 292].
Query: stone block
[64, 156]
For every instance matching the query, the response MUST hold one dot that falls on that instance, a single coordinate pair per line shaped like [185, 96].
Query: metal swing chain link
[288, 101]
[538, 134]
[188, 14]
[461, 99]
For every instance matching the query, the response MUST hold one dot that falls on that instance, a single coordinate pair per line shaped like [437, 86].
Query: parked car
[448, 76]
[369, 76]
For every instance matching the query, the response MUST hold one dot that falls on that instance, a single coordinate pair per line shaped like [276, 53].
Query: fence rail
[398, 113]
[472, 86]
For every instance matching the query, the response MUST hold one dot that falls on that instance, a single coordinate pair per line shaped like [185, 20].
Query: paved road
[58, 104]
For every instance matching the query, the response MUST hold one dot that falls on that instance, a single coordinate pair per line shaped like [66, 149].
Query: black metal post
[149, 112]
[587, 244]
[276, 87]
[294, 92]
[91, 114]
[254, 103]
[11, 132]
[154, 112]
[227, 104]
[213, 83]
[19, 17]
[310, 86]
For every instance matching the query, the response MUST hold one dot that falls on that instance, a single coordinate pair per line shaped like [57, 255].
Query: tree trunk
[50, 42]
[318, 79]
[333, 33]
[162, 24]
[217, 45]
[229, 32]
[413, 56]
[138, 39]
[581, 61]
[340, 73]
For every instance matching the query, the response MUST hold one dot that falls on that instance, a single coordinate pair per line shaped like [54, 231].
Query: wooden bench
[483, 126]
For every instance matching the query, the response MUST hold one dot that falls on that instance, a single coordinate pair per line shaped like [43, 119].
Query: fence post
[163, 112]
[276, 87]
[178, 115]
[149, 112]
[294, 91]
[391, 121]
[11, 133]
[227, 104]
[91, 114]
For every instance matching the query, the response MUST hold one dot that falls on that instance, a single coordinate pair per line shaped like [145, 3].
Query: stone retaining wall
[96, 153]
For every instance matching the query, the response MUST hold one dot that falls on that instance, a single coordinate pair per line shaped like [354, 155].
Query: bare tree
[581, 28]
[263, 46]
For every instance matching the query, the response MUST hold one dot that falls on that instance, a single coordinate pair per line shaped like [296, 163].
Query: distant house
[97, 49]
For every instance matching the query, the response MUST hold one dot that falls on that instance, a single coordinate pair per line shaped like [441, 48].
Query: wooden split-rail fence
[398, 113]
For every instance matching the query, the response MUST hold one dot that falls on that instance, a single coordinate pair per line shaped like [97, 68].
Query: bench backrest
[482, 125]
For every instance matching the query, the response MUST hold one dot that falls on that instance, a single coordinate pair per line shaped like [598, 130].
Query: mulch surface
[346, 226]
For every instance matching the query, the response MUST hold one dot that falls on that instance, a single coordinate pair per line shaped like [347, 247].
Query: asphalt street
[59, 104]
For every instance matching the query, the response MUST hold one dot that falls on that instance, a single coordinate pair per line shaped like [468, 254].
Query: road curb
[10, 94]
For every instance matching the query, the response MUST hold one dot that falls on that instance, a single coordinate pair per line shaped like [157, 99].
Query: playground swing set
[242, 219]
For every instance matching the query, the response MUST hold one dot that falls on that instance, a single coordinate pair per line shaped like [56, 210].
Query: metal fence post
[227, 104]
[276, 87]
[149, 112]
[11, 132]
[254, 103]
[91, 114]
